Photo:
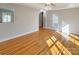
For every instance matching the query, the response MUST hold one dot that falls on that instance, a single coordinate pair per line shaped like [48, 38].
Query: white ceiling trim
[59, 6]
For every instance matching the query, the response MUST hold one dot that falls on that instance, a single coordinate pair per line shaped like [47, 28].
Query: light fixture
[48, 6]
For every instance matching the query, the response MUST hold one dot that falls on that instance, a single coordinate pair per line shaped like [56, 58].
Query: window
[6, 17]
[65, 29]
[55, 21]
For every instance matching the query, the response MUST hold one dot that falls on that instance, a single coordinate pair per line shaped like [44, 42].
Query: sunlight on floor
[56, 47]
[74, 36]
[54, 50]
[73, 39]
[63, 49]
[49, 42]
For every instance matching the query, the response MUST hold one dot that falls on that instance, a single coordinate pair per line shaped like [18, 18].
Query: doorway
[41, 18]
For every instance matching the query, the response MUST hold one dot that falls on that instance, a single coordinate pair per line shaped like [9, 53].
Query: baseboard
[18, 35]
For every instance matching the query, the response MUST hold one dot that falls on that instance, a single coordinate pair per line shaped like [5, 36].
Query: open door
[41, 20]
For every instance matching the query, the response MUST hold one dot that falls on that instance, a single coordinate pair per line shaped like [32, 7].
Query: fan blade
[52, 4]
[46, 4]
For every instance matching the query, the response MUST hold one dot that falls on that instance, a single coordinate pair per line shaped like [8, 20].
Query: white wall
[50, 19]
[71, 17]
[68, 16]
[26, 21]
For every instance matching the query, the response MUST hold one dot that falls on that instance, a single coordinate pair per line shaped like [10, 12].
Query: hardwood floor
[43, 42]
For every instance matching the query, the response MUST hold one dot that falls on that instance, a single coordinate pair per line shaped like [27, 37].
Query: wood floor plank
[42, 42]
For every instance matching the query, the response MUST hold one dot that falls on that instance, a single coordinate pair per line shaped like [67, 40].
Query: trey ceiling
[56, 7]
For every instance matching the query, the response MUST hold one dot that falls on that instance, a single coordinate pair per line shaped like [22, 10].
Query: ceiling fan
[49, 6]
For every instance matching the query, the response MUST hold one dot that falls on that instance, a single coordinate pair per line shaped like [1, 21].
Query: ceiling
[57, 6]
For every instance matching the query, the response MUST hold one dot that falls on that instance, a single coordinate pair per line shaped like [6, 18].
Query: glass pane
[55, 21]
[9, 18]
[4, 17]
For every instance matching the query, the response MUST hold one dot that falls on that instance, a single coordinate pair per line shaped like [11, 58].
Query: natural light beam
[53, 38]
[57, 47]
[49, 42]
[65, 29]
[64, 50]
[74, 36]
[73, 40]
[54, 50]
